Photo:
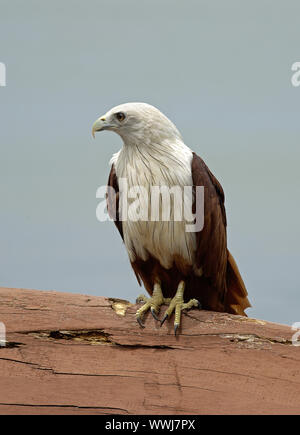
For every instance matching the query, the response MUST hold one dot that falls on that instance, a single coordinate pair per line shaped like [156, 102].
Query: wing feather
[112, 199]
[211, 252]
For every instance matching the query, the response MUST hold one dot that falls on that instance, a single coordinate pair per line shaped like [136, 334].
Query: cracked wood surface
[77, 354]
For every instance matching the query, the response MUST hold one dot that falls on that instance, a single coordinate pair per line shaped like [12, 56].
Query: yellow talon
[153, 303]
[178, 304]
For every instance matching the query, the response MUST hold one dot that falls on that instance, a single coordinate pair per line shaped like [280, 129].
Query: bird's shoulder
[202, 176]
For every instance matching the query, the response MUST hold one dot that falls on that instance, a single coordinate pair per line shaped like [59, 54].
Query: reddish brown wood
[78, 354]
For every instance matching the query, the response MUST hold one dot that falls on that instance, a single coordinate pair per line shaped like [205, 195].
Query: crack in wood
[93, 336]
[36, 405]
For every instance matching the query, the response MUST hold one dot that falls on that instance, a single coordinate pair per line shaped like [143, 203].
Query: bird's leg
[178, 304]
[153, 303]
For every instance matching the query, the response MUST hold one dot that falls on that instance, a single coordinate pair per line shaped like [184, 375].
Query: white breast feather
[162, 164]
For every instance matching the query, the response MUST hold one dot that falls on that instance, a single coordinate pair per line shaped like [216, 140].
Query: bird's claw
[153, 312]
[164, 319]
[153, 304]
[139, 320]
[176, 326]
[176, 304]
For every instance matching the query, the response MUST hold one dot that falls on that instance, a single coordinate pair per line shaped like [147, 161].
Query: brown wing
[236, 296]
[211, 252]
[112, 199]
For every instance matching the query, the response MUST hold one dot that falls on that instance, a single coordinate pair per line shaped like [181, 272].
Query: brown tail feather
[236, 297]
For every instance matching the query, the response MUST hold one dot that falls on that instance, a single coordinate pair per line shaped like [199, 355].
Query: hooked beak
[99, 125]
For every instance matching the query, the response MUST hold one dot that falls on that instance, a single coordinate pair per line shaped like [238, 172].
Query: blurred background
[221, 71]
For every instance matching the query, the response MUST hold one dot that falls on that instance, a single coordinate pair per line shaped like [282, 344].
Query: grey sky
[221, 71]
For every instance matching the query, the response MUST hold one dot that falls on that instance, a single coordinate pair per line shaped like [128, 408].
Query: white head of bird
[138, 123]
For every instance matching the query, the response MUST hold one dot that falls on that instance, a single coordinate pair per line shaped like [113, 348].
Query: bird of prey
[181, 268]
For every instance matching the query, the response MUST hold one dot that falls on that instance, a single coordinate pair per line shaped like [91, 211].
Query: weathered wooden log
[77, 354]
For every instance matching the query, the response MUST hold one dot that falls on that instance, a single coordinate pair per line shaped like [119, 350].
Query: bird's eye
[120, 116]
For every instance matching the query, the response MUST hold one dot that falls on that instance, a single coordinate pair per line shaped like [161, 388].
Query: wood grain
[79, 354]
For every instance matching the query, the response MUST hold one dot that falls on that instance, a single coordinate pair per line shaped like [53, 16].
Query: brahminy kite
[181, 268]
